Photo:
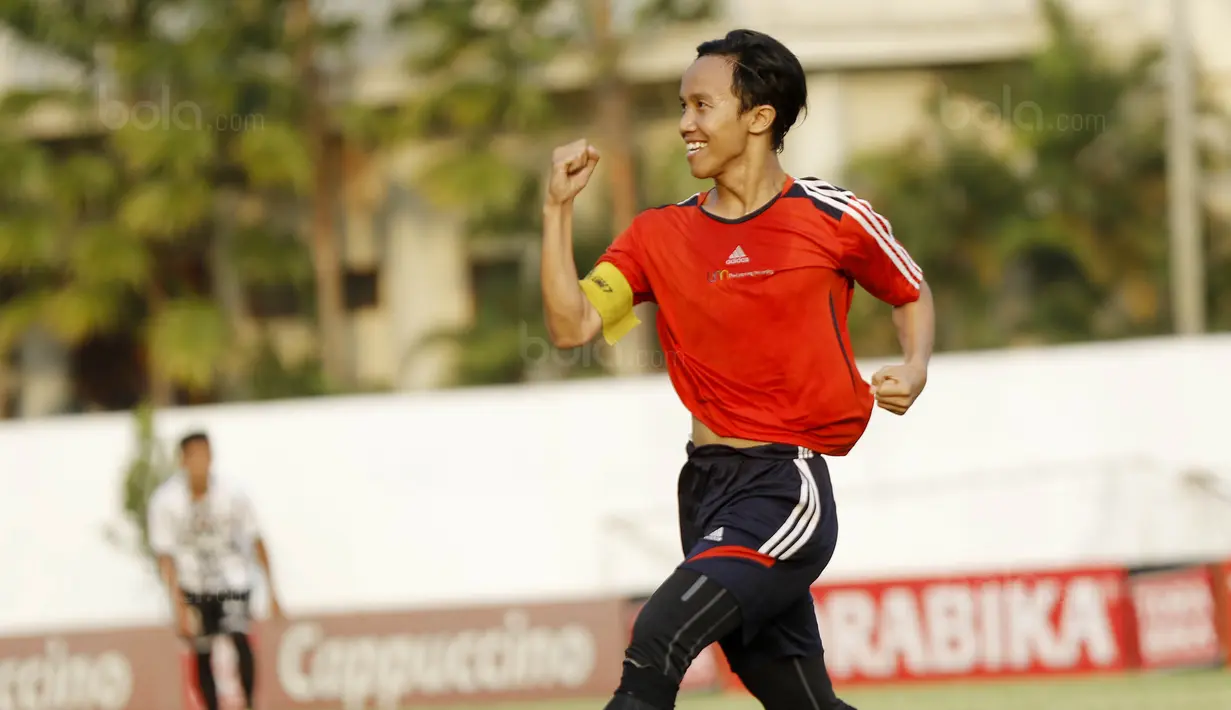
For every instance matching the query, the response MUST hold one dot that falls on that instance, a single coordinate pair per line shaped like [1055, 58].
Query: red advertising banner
[993, 626]
[707, 668]
[1177, 619]
[1022, 624]
[1223, 597]
[128, 669]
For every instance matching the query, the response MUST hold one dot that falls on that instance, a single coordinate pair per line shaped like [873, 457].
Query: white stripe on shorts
[815, 519]
[802, 521]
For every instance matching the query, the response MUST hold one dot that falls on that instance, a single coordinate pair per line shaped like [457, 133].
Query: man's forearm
[563, 300]
[262, 558]
[170, 577]
[916, 326]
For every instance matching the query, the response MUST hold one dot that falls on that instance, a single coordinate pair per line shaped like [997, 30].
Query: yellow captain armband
[609, 292]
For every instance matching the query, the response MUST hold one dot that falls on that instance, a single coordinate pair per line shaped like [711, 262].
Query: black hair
[193, 437]
[764, 72]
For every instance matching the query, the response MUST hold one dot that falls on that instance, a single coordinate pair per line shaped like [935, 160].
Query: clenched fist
[898, 386]
[571, 168]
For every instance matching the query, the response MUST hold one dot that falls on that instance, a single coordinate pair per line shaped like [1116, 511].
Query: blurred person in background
[753, 281]
[205, 534]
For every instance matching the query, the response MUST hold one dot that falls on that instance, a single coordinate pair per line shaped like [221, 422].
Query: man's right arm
[577, 310]
[571, 319]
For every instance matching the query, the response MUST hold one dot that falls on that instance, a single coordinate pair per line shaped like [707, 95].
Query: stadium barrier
[1011, 625]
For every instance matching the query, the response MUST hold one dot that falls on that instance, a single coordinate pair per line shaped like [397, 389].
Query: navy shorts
[761, 522]
[219, 614]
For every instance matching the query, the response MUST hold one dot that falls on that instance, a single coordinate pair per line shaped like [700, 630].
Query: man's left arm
[897, 386]
[883, 267]
[262, 558]
[252, 531]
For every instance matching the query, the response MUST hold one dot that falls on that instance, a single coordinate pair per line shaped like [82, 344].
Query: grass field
[1180, 691]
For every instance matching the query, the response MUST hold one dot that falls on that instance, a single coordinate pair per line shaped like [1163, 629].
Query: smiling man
[753, 281]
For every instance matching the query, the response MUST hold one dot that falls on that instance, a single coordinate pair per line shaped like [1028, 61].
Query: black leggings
[688, 613]
[247, 673]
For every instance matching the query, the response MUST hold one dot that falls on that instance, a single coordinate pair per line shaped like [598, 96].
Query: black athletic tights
[247, 672]
[688, 613]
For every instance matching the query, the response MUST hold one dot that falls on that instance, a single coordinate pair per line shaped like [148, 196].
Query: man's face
[197, 459]
[711, 123]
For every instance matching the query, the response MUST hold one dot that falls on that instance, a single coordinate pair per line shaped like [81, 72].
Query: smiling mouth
[695, 147]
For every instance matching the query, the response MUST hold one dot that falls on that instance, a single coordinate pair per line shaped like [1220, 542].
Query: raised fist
[571, 167]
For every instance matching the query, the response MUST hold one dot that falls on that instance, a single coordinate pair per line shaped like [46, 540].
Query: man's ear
[761, 119]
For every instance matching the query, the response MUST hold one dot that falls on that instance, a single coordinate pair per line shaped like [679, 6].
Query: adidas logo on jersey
[738, 256]
[715, 536]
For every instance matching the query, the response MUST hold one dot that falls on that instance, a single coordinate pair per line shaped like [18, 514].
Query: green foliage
[186, 339]
[186, 142]
[274, 379]
[95, 231]
[1035, 199]
[94, 213]
[481, 66]
[275, 157]
[150, 466]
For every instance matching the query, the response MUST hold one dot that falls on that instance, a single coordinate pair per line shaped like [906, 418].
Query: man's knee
[686, 614]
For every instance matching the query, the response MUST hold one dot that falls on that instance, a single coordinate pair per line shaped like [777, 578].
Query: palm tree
[303, 36]
[93, 235]
[48, 257]
[297, 154]
[109, 207]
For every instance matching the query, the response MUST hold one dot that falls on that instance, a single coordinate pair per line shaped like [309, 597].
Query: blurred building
[410, 272]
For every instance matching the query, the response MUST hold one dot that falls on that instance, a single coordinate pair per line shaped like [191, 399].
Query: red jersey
[752, 311]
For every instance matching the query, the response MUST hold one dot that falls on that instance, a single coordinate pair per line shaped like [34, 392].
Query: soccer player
[205, 534]
[753, 281]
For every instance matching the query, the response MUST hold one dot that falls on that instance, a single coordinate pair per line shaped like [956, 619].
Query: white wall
[1024, 457]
